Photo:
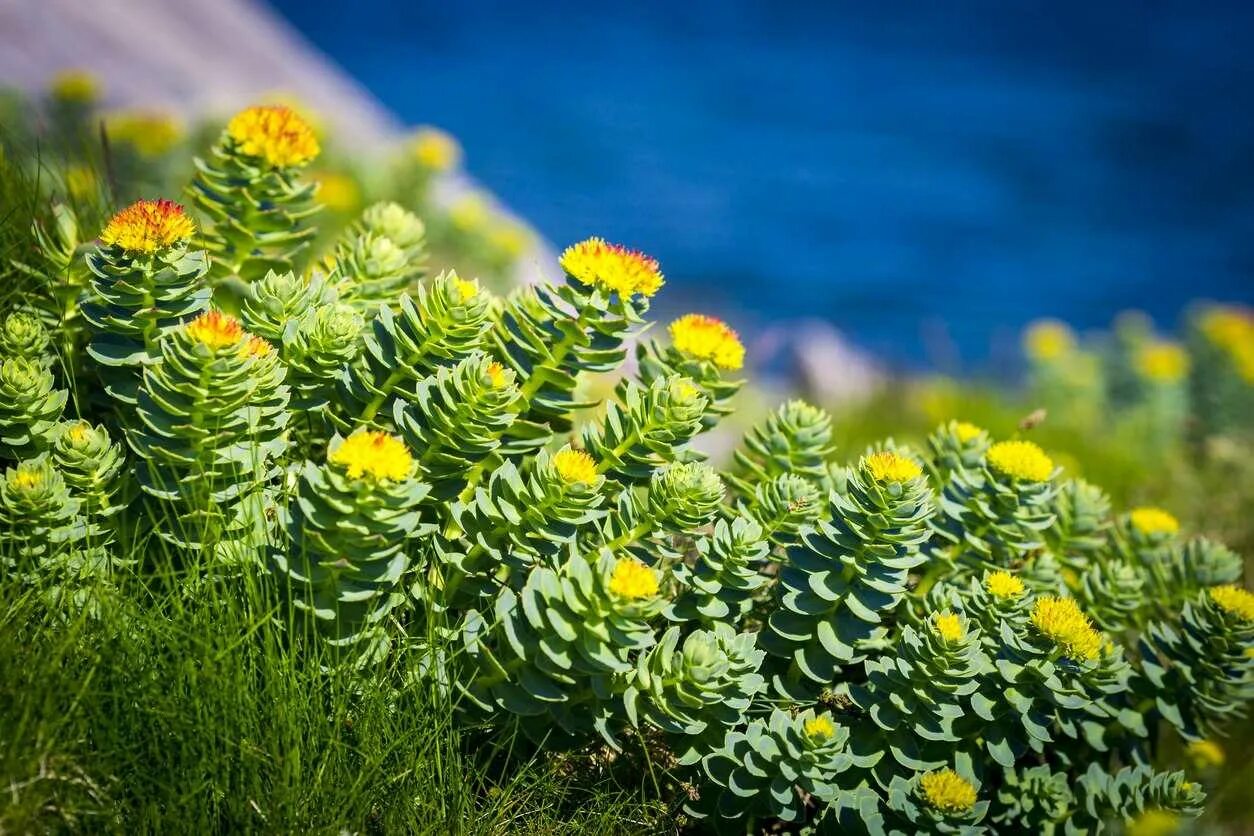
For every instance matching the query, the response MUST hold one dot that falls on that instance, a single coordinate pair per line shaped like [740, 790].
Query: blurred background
[929, 177]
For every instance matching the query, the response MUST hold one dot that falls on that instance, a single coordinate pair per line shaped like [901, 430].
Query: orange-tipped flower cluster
[613, 268]
[147, 226]
[274, 133]
[215, 330]
[707, 338]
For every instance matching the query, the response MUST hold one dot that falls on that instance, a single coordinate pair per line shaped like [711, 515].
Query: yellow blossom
[255, 346]
[1153, 521]
[1048, 339]
[150, 133]
[147, 226]
[1233, 600]
[274, 133]
[947, 791]
[435, 150]
[1162, 362]
[374, 454]
[1020, 460]
[707, 338]
[819, 728]
[1206, 754]
[575, 466]
[1227, 326]
[612, 267]
[215, 330]
[338, 192]
[469, 213]
[1003, 585]
[497, 376]
[890, 466]
[1154, 822]
[1060, 621]
[510, 239]
[467, 289]
[79, 432]
[75, 86]
[631, 579]
[26, 479]
[966, 431]
[950, 628]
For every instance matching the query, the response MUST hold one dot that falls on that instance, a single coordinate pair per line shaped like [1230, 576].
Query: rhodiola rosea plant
[956, 639]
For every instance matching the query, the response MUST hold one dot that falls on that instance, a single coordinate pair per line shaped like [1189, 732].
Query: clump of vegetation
[324, 544]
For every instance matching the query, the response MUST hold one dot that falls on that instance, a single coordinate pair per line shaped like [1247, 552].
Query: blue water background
[927, 176]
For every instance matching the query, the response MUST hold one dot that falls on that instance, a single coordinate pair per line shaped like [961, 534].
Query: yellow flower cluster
[612, 267]
[215, 330]
[1048, 339]
[575, 466]
[147, 226]
[1234, 600]
[1020, 460]
[950, 628]
[889, 466]
[469, 213]
[435, 150]
[338, 192]
[1231, 329]
[1060, 621]
[374, 454]
[75, 86]
[1153, 521]
[1003, 585]
[967, 431]
[496, 375]
[1162, 362]
[631, 579]
[707, 338]
[1153, 822]
[819, 728]
[255, 346]
[274, 133]
[947, 791]
[1206, 754]
[26, 478]
[150, 133]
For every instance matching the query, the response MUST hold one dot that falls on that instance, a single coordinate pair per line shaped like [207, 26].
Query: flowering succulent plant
[954, 639]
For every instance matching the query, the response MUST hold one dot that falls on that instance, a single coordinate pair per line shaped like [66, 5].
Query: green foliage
[1198, 673]
[445, 321]
[842, 582]
[345, 547]
[135, 299]
[457, 419]
[379, 257]
[208, 426]
[258, 210]
[549, 335]
[29, 406]
[647, 429]
[796, 439]
[401, 491]
[991, 518]
[23, 335]
[757, 771]
[36, 511]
